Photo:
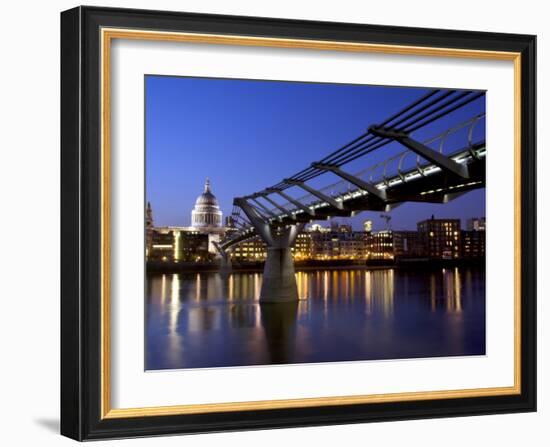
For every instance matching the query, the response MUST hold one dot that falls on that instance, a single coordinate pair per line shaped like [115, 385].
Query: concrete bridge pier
[225, 259]
[279, 280]
[225, 263]
[279, 323]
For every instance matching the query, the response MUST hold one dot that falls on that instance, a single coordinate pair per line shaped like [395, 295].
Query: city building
[440, 238]
[322, 240]
[434, 238]
[379, 245]
[473, 244]
[161, 246]
[475, 224]
[187, 244]
[149, 227]
[315, 242]
[174, 245]
[252, 250]
[337, 242]
[407, 244]
[473, 239]
[367, 226]
[230, 222]
[303, 246]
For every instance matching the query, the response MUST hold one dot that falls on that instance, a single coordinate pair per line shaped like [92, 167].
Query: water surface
[202, 320]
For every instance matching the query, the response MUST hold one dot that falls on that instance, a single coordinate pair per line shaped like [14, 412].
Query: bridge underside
[447, 188]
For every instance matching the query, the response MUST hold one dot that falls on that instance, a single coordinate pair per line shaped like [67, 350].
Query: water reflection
[212, 320]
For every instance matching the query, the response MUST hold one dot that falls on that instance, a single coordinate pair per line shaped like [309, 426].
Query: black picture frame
[81, 223]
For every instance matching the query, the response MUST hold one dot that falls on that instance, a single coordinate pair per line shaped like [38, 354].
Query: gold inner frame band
[107, 35]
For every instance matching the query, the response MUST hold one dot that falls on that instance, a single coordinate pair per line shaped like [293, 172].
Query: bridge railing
[458, 138]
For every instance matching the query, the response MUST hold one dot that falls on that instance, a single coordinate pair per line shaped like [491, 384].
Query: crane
[387, 218]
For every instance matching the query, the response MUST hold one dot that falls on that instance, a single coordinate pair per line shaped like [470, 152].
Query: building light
[176, 245]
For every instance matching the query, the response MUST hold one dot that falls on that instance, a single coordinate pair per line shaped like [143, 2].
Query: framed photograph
[276, 223]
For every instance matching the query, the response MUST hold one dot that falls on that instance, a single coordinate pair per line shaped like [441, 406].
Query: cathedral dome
[206, 212]
[207, 198]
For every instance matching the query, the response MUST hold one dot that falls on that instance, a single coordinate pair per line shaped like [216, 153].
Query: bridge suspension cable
[357, 141]
[430, 117]
[368, 173]
[420, 113]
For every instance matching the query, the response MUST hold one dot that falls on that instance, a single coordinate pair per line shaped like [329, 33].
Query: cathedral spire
[149, 216]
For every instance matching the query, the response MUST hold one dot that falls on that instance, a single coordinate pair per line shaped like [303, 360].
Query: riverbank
[405, 264]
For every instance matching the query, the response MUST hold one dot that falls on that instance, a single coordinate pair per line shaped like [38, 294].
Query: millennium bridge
[406, 169]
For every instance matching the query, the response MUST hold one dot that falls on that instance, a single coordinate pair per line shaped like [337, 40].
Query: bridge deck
[425, 183]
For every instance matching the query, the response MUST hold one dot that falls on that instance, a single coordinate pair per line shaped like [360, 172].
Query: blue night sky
[247, 135]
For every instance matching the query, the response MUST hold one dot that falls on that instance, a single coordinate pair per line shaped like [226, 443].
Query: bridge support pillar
[279, 281]
[225, 259]
[225, 263]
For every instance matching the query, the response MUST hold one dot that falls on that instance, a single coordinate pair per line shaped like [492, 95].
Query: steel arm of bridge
[334, 203]
[275, 204]
[301, 206]
[257, 220]
[241, 222]
[218, 247]
[440, 160]
[230, 244]
[242, 226]
[448, 197]
[361, 184]
[263, 207]
[224, 253]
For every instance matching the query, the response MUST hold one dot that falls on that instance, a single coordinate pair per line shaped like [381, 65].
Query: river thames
[204, 320]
